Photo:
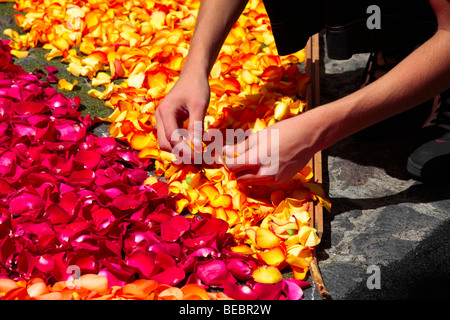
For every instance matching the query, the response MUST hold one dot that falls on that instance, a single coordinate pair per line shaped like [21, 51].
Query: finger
[243, 162]
[195, 128]
[249, 177]
[174, 134]
[164, 144]
[241, 147]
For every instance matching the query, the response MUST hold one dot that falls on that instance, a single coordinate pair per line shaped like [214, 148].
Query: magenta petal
[25, 108]
[6, 106]
[26, 263]
[45, 263]
[82, 178]
[174, 228]
[88, 159]
[292, 290]
[267, 291]
[143, 261]
[71, 132]
[7, 160]
[5, 188]
[172, 249]
[125, 203]
[171, 276]
[24, 202]
[25, 130]
[57, 214]
[73, 229]
[112, 279]
[238, 292]
[240, 269]
[213, 273]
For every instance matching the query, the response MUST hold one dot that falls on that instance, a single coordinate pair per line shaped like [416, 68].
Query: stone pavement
[380, 216]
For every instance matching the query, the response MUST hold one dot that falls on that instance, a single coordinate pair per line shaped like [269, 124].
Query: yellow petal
[308, 236]
[64, 85]
[267, 274]
[274, 256]
[281, 111]
[19, 54]
[266, 239]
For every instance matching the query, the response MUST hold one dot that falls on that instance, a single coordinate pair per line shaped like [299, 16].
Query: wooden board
[312, 66]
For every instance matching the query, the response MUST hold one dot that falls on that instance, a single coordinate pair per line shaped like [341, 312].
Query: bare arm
[419, 77]
[189, 98]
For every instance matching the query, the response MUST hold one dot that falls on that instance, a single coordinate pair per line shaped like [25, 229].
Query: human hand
[189, 98]
[273, 155]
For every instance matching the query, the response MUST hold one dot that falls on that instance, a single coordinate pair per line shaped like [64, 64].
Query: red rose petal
[174, 228]
[170, 276]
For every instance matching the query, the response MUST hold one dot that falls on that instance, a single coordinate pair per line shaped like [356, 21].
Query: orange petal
[223, 200]
[147, 286]
[93, 282]
[6, 285]
[172, 293]
[242, 248]
[37, 289]
[266, 239]
[194, 292]
[275, 256]
[50, 296]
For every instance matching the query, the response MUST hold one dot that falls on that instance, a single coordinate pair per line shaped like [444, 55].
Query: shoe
[430, 161]
[412, 120]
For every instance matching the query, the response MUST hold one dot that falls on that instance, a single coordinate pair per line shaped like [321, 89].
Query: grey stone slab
[380, 216]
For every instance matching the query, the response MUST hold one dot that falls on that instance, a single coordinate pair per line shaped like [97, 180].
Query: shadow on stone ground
[423, 274]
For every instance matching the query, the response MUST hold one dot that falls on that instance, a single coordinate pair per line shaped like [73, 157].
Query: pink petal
[57, 215]
[125, 203]
[7, 161]
[24, 202]
[171, 276]
[73, 229]
[143, 261]
[292, 290]
[26, 108]
[88, 159]
[174, 228]
[238, 292]
[267, 291]
[112, 279]
[172, 249]
[213, 273]
[82, 178]
[240, 269]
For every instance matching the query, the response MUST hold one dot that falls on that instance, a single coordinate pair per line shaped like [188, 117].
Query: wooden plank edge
[312, 53]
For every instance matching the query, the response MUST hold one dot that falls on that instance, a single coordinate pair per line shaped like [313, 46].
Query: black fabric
[404, 23]
[293, 22]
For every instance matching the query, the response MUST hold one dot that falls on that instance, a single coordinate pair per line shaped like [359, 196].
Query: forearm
[214, 21]
[422, 75]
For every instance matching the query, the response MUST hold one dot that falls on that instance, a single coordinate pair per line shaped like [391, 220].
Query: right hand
[188, 99]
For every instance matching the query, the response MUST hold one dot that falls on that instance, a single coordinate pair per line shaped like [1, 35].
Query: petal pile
[145, 43]
[72, 201]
